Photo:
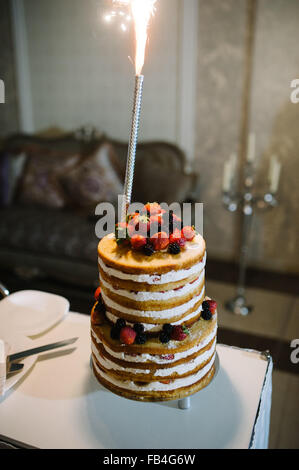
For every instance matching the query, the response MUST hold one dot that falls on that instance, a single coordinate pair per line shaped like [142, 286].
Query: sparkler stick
[142, 11]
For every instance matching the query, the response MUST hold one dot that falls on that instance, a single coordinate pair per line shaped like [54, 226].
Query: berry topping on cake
[168, 328]
[206, 315]
[115, 333]
[152, 208]
[120, 323]
[148, 249]
[128, 335]
[138, 242]
[212, 306]
[97, 294]
[176, 237]
[139, 328]
[164, 337]
[174, 249]
[179, 333]
[188, 233]
[160, 241]
[141, 338]
[168, 357]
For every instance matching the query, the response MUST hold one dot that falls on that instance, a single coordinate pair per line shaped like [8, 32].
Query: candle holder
[248, 203]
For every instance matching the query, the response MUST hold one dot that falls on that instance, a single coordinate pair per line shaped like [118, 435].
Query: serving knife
[40, 349]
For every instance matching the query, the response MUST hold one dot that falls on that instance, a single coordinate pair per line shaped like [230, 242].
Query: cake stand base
[239, 306]
[185, 403]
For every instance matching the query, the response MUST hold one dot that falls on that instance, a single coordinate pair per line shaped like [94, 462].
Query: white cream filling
[157, 359]
[155, 296]
[157, 386]
[180, 369]
[152, 279]
[154, 328]
[163, 314]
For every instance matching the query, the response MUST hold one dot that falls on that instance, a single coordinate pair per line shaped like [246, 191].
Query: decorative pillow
[94, 180]
[41, 183]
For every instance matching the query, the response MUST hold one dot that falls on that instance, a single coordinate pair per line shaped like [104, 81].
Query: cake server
[48, 347]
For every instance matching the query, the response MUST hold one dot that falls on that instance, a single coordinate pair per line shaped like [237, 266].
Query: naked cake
[153, 330]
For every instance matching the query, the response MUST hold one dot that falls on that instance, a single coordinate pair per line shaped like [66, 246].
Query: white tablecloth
[59, 404]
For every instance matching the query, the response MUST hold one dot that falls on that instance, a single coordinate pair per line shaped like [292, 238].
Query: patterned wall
[80, 70]
[274, 119]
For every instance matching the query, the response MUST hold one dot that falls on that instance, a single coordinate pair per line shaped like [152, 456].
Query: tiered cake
[153, 331]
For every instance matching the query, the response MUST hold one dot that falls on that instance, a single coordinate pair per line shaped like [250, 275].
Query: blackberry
[120, 323]
[206, 315]
[205, 305]
[141, 338]
[168, 329]
[139, 328]
[164, 337]
[115, 333]
[148, 249]
[174, 249]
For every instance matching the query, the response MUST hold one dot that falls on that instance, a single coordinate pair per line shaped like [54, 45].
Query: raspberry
[169, 357]
[160, 241]
[178, 333]
[212, 305]
[176, 237]
[138, 242]
[188, 233]
[127, 335]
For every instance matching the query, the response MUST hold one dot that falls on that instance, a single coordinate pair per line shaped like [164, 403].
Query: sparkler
[141, 12]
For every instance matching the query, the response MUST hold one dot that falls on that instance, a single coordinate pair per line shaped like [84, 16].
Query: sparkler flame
[141, 11]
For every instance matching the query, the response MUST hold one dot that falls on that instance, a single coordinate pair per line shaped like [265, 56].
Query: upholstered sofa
[36, 240]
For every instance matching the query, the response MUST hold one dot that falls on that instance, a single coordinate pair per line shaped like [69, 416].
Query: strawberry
[152, 208]
[138, 242]
[176, 237]
[169, 357]
[160, 241]
[179, 333]
[97, 294]
[138, 225]
[127, 335]
[188, 233]
[213, 306]
[166, 382]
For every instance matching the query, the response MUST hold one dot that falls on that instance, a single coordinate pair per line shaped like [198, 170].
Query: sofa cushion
[94, 179]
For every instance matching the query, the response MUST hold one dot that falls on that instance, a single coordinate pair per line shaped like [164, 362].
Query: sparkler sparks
[141, 12]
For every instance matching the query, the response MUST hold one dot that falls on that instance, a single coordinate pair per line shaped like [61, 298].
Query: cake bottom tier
[156, 391]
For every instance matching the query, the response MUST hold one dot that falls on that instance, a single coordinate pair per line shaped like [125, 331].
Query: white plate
[17, 343]
[31, 312]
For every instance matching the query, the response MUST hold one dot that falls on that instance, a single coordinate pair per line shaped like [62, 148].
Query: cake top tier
[123, 258]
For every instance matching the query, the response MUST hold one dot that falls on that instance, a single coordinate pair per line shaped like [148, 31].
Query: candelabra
[248, 202]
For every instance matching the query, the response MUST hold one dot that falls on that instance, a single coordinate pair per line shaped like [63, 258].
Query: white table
[59, 404]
